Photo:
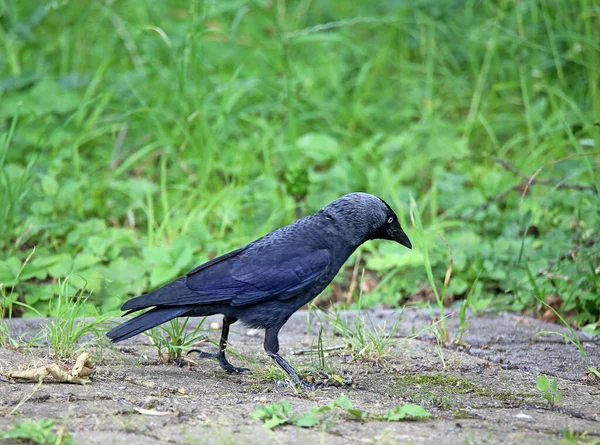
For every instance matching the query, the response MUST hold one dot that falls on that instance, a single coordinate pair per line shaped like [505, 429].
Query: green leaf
[344, 402]
[273, 415]
[319, 147]
[404, 411]
[273, 422]
[157, 255]
[542, 383]
[84, 260]
[162, 274]
[62, 266]
[413, 410]
[9, 269]
[356, 412]
[307, 420]
[49, 185]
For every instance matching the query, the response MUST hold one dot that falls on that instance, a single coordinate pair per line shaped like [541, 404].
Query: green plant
[549, 389]
[172, 338]
[72, 320]
[462, 314]
[361, 336]
[572, 437]
[282, 414]
[415, 217]
[130, 165]
[406, 411]
[39, 431]
[573, 338]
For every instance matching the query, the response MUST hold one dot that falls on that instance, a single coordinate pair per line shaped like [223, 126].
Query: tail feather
[145, 321]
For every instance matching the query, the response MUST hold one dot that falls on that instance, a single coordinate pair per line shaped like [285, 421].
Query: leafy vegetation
[281, 413]
[72, 327]
[172, 338]
[39, 431]
[139, 139]
[549, 389]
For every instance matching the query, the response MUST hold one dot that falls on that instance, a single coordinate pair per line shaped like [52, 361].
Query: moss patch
[441, 387]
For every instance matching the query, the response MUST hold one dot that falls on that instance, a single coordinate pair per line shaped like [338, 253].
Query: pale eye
[390, 220]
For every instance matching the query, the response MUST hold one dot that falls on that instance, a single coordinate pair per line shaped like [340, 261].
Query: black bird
[265, 282]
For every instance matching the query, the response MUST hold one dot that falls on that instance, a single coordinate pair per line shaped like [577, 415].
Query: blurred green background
[138, 139]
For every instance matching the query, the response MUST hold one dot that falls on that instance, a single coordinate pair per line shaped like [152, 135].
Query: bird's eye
[390, 220]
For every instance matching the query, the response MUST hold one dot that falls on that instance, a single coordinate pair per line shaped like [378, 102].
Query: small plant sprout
[572, 338]
[172, 338]
[415, 217]
[361, 337]
[549, 390]
[72, 321]
[40, 431]
[282, 414]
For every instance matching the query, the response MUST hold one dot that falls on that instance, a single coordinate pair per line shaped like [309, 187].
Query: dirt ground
[482, 392]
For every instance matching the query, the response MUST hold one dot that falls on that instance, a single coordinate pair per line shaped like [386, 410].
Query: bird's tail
[145, 321]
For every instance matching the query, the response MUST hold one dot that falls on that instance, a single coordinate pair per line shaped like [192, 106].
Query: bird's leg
[272, 350]
[220, 355]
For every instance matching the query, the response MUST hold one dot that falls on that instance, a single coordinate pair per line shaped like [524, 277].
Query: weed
[72, 321]
[281, 122]
[549, 389]
[172, 338]
[573, 338]
[361, 336]
[40, 431]
[572, 437]
[281, 414]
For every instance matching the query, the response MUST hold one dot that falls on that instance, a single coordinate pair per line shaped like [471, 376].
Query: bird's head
[363, 217]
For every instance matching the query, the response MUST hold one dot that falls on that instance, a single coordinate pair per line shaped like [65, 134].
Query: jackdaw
[265, 282]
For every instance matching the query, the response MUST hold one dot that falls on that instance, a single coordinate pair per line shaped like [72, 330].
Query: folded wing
[249, 278]
[243, 277]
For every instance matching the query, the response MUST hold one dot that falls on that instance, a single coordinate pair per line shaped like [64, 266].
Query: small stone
[214, 325]
[253, 333]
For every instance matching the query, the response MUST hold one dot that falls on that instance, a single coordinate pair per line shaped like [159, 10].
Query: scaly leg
[228, 367]
[272, 350]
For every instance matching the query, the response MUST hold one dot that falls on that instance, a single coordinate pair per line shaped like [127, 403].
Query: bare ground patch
[483, 392]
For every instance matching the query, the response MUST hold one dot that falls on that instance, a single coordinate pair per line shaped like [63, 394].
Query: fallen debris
[79, 374]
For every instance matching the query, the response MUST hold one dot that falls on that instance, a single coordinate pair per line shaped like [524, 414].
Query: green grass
[74, 325]
[38, 432]
[172, 338]
[140, 139]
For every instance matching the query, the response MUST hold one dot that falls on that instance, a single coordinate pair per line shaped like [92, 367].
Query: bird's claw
[233, 369]
[220, 356]
[203, 354]
[309, 386]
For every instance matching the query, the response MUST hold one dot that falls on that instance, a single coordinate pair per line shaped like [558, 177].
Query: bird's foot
[309, 386]
[203, 354]
[220, 356]
[235, 370]
[229, 368]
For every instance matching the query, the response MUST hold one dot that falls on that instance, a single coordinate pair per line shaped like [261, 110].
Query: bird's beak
[396, 233]
[402, 238]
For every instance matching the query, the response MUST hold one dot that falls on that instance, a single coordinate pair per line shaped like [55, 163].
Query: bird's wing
[283, 279]
[253, 278]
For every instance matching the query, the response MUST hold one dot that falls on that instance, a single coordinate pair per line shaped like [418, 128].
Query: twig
[498, 197]
[525, 184]
[530, 179]
[571, 253]
[353, 281]
[312, 351]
